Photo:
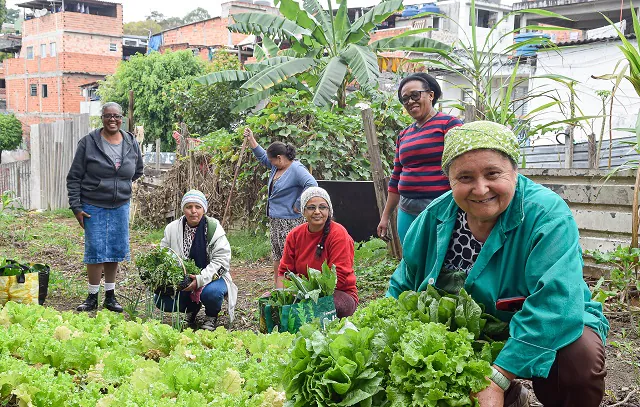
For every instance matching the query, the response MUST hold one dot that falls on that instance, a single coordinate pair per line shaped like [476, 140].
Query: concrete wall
[600, 206]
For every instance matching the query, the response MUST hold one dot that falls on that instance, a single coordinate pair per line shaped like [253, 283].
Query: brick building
[203, 37]
[61, 50]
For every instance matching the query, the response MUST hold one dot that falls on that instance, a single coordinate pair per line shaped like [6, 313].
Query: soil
[623, 362]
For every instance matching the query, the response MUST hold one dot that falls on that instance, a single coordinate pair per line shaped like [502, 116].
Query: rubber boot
[110, 301]
[90, 304]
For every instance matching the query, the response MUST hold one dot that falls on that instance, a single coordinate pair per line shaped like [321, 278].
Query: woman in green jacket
[514, 246]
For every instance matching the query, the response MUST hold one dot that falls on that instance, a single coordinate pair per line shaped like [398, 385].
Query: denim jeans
[211, 297]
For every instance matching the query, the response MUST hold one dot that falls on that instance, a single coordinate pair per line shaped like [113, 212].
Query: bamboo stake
[233, 184]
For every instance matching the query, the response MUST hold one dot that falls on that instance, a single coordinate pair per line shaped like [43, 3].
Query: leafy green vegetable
[424, 349]
[66, 359]
[335, 369]
[436, 367]
[160, 267]
[298, 287]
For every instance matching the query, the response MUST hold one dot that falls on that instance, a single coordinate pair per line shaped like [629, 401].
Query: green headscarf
[476, 136]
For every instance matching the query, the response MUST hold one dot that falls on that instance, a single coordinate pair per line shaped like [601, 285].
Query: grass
[249, 247]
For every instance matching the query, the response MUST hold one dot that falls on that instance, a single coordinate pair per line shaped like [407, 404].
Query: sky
[136, 10]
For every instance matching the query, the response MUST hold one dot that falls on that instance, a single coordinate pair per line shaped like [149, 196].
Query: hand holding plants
[194, 284]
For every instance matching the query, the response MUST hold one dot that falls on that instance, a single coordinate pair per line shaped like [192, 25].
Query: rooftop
[46, 4]
[584, 14]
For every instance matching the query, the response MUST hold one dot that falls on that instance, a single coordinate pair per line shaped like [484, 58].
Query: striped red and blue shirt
[417, 168]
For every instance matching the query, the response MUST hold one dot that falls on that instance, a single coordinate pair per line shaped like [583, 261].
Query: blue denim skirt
[106, 234]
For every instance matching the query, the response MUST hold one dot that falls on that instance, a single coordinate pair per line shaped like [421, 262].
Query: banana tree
[327, 51]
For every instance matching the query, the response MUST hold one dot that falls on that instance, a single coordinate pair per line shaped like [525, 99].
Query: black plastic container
[354, 207]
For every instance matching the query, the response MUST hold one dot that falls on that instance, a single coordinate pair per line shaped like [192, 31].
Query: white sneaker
[210, 323]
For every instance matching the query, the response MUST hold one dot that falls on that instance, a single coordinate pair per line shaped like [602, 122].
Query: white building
[582, 61]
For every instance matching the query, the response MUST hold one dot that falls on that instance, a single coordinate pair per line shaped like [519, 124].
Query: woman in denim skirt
[99, 182]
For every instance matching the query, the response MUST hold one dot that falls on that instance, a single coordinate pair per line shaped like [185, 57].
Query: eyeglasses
[321, 208]
[413, 95]
[112, 116]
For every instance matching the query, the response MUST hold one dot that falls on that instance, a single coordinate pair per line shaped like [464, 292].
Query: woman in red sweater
[318, 240]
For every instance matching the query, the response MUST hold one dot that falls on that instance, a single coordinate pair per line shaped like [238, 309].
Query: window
[43, 50]
[29, 52]
[45, 91]
[52, 49]
[485, 18]
[516, 21]
[34, 90]
[113, 47]
[519, 98]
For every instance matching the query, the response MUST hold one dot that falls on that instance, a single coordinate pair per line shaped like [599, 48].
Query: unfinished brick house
[62, 49]
[204, 37]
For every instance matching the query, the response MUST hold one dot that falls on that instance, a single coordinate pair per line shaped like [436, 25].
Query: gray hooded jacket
[93, 178]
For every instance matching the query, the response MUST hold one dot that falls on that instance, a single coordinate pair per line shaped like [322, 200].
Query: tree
[12, 15]
[142, 27]
[205, 109]
[198, 14]
[171, 22]
[10, 133]
[151, 77]
[327, 51]
[3, 11]
[155, 16]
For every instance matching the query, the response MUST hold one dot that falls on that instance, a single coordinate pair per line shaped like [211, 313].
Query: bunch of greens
[429, 349]
[160, 268]
[436, 367]
[454, 311]
[9, 267]
[315, 285]
[332, 369]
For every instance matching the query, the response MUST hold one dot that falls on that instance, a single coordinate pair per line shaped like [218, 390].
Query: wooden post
[469, 113]
[227, 214]
[593, 159]
[568, 147]
[131, 101]
[157, 154]
[380, 182]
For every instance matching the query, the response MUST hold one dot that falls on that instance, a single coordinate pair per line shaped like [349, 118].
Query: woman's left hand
[194, 284]
[492, 396]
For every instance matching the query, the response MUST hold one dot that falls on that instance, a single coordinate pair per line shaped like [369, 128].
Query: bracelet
[498, 378]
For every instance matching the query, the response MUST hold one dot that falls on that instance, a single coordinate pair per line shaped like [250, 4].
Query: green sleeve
[416, 255]
[552, 316]
[400, 281]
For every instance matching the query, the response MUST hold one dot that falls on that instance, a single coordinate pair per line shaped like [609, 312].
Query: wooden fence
[553, 156]
[14, 177]
[53, 146]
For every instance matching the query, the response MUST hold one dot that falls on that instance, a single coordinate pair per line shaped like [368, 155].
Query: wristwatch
[499, 379]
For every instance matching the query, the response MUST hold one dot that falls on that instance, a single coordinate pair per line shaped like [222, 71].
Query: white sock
[109, 286]
[93, 289]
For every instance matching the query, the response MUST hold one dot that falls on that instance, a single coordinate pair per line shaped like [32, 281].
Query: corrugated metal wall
[553, 156]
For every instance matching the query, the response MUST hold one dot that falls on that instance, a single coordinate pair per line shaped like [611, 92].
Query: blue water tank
[528, 50]
[410, 11]
[428, 8]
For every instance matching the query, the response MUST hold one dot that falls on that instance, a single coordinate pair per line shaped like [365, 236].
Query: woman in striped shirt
[417, 176]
